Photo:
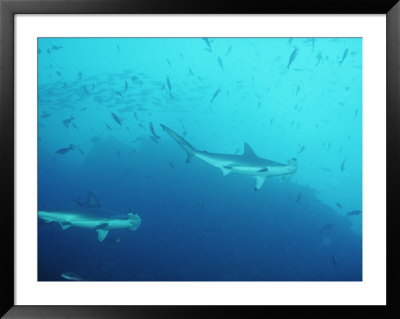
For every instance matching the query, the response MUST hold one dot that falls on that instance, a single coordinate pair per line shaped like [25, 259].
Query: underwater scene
[199, 159]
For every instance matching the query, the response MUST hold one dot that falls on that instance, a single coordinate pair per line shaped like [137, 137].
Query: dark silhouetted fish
[136, 80]
[298, 197]
[326, 227]
[220, 62]
[116, 118]
[119, 93]
[95, 139]
[354, 213]
[342, 168]
[68, 121]
[339, 205]
[319, 58]
[344, 56]
[169, 86]
[169, 62]
[85, 89]
[126, 86]
[229, 51]
[152, 130]
[215, 95]
[293, 57]
[302, 149]
[55, 47]
[65, 150]
[44, 115]
[171, 165]
[208, 43]
[190, 71]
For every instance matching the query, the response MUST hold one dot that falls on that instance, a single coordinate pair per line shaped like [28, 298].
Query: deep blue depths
[196, 223]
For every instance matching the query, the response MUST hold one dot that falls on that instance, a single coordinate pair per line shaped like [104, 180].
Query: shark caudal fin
[189, 149]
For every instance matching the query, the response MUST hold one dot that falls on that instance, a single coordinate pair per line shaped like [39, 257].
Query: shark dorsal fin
[248, 151]
[92, 201]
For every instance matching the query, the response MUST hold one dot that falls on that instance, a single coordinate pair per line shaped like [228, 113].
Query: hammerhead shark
[246, 164]
[90, 220]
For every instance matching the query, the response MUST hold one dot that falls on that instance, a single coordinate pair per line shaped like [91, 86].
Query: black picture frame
[8, 8]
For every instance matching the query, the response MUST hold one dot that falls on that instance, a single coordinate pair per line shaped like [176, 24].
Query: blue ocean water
[100, 105]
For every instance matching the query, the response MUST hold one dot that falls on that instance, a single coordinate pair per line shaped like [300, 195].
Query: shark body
[246, 164]
[99, 223]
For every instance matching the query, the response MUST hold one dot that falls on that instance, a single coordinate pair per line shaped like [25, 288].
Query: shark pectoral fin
[259, 182]
[226, 170]
[65, 226]
[287, 177]
[101, 234]
[101, 226]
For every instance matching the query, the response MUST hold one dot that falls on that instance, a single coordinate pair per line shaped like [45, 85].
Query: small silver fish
[152, 130]
[293, 56]
[354, 213]
[220, 62]
[342, 168]
[344, 56]
[229, 51]
[116, 118]
[215, 95]
[65, 150]
[169, 86]
[208, 43]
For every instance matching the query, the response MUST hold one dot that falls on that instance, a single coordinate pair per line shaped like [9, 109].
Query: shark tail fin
[189, 149]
